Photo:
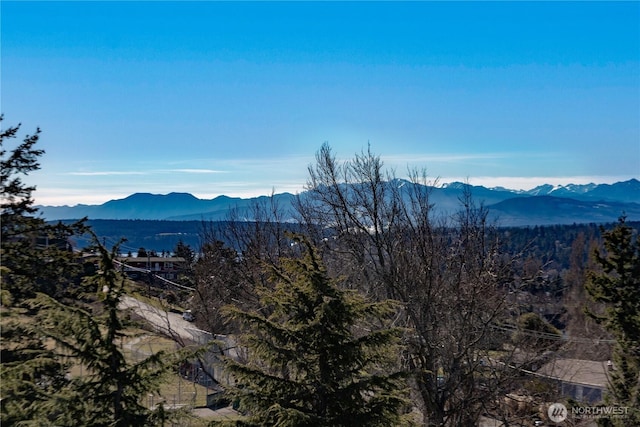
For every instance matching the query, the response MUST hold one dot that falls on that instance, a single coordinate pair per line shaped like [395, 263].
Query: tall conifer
[111, 390]
[33, 258]
[44, 334]
[617, 286]
[315, 358]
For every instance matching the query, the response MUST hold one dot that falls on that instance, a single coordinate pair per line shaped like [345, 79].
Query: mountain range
[543, 205]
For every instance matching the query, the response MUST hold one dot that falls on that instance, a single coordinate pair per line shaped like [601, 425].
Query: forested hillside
[548, 243]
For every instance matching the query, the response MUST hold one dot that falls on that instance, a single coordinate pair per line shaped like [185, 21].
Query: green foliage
[36, 256]
[185, 251]
[112, 387]
[42, 337]
[535, 333]
[218, 282]
[617, 285]
[16, 196]
[314, 359]
[33, 377]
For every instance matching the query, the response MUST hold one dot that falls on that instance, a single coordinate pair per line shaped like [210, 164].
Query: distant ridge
[545, 204]
[549, 210]
[625, 191]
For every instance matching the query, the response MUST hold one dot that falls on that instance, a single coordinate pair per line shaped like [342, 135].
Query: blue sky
[235, 98]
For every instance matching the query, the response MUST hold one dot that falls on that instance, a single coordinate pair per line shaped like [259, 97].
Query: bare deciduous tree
[447, 272]
[232, 258]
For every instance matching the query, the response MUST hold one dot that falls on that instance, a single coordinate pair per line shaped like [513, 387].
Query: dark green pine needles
[616, 284]
[317, 355]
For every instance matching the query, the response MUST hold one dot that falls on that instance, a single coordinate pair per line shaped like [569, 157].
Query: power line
[552, 336]
[144, 270]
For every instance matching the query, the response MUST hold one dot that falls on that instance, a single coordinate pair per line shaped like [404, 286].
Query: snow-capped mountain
[627, 191]
[545, 204]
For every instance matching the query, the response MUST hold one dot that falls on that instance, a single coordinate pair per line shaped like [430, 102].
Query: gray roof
[578, 371]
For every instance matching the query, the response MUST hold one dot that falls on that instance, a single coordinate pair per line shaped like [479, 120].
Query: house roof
[578, 371]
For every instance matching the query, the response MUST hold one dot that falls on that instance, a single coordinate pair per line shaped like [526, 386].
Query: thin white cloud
[148, 172]
[72, 197]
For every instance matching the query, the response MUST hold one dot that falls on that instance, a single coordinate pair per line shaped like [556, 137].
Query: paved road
[166, 323]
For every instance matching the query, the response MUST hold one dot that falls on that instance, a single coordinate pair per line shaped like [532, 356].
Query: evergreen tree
[110, 392]
[43, 336]
[534, 333]
[617, 286]
[313, 358]
[218, 282]
[34, 258]
[185, 251]
[33, 378]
